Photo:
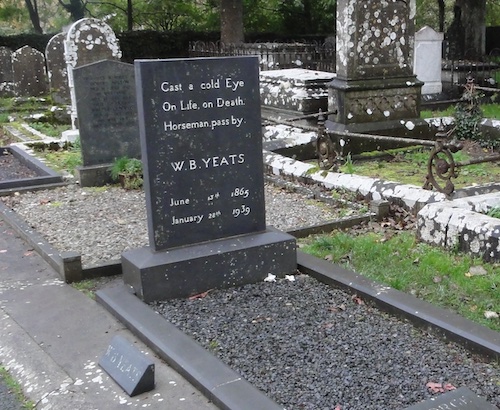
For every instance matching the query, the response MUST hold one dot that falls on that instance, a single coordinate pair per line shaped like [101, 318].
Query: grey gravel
[308, 346]
[101, 223]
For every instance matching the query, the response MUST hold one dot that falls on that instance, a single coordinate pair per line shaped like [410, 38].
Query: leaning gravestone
[107, 111]
[88, 40]
[57, 71]
[201, 142]
[6, 74]
[28, 66]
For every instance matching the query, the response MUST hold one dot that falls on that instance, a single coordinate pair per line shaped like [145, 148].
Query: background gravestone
[6, 74]
[201, 142]
[88, 40]
[107, 111]
[28, 65]
[375, 84]
[57, 71]
[428, 59]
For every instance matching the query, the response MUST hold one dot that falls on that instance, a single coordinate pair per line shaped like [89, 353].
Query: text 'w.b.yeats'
[201, 144]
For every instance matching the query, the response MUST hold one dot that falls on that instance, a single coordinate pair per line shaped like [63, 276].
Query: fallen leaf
[44, 201]
[329, 258]
[437, 279]
[270, 278]
[290, 278]
[416, 261]
[199, 295]
[356, 299]
[338, 407]
[28, 253]
[439, 387]
[488, 314]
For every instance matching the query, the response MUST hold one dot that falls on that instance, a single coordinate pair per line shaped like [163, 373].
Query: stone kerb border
[461, 224]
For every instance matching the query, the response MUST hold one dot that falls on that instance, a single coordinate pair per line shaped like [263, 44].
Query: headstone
[29, 75]
[88, 40]
[128, 367]
[107, 111]
[375, 86]
[427, 62]
[201, 142]
[6, 74]
[462, 398]
[57, 70]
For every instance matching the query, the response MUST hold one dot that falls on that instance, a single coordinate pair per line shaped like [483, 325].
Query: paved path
[52, 336]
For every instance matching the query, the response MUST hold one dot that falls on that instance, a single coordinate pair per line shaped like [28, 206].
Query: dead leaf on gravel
[439, 387]
[199, 295]
[44, 201]
[356, 299]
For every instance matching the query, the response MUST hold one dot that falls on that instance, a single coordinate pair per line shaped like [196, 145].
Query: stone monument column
[375, 88]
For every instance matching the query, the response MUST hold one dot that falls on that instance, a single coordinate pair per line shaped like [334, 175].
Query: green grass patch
[489, 111]
[409, 166]
[430, 273]
[15, 388]
[51, 130]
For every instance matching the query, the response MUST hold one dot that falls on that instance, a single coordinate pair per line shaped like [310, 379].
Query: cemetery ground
[445, 278]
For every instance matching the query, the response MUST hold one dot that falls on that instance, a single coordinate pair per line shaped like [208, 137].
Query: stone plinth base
[371, 103]
[189, 270]
[295, 89]
[94, 175]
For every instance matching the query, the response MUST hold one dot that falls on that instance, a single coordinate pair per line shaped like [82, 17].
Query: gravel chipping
[304, 344]
[101, 223]
[309, 346]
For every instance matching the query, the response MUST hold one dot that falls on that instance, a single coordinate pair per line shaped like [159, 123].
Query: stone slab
[462, 398]
[94, 175]
[186, 271]
[128, 367]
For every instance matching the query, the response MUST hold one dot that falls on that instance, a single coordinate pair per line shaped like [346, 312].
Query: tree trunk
[130, 16]
[231, 21]
[75, 7]
[34, 16]
[441, 6]
[473, 18]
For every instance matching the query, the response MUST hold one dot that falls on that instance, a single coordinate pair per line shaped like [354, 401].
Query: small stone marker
[107, 112]
[462, 398]
[201, 140]
[128, 367]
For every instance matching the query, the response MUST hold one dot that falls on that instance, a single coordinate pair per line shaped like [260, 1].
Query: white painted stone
[427, 59]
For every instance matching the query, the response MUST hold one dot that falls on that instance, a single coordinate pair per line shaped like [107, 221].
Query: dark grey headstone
[107, 112]
[460, 399]
[57, 70]
[128, 367]
[30, 79]
[5, 64]
[201, 140]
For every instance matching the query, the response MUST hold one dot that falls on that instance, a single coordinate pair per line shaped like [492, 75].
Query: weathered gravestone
[6, 74]
[88, 40]
[107, 111]
[375, 88]
[57, 70]
[128, 367]
[28, 66]
[201, 142]
[428, 56]
[460, 399]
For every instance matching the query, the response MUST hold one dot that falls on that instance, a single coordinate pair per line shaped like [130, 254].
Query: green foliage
[15, 388]
[494, 212]
[433, 274]
[128, 171]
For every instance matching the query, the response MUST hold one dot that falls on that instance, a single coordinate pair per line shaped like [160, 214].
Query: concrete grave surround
[201, 139]
[295, 89]
[6, 74]
[375, 86]
[29, 75]
[88, 40]
[57, 70]
[427, 61]
[107, 110]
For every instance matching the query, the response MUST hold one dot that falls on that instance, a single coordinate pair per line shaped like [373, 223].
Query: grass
[15, 388]
[433, 274]
[409, 166]
[489, 111]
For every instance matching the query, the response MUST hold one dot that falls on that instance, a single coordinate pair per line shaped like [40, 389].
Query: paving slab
[52, 337]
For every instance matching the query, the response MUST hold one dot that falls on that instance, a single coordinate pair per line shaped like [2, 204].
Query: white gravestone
[427, 64]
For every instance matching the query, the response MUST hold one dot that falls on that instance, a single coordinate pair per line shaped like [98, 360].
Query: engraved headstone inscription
[107, 110]
[461, 399]
[128, 367]
[201, 140]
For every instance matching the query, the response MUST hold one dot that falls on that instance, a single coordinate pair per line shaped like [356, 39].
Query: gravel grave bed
[101, 223]
[309, 346]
